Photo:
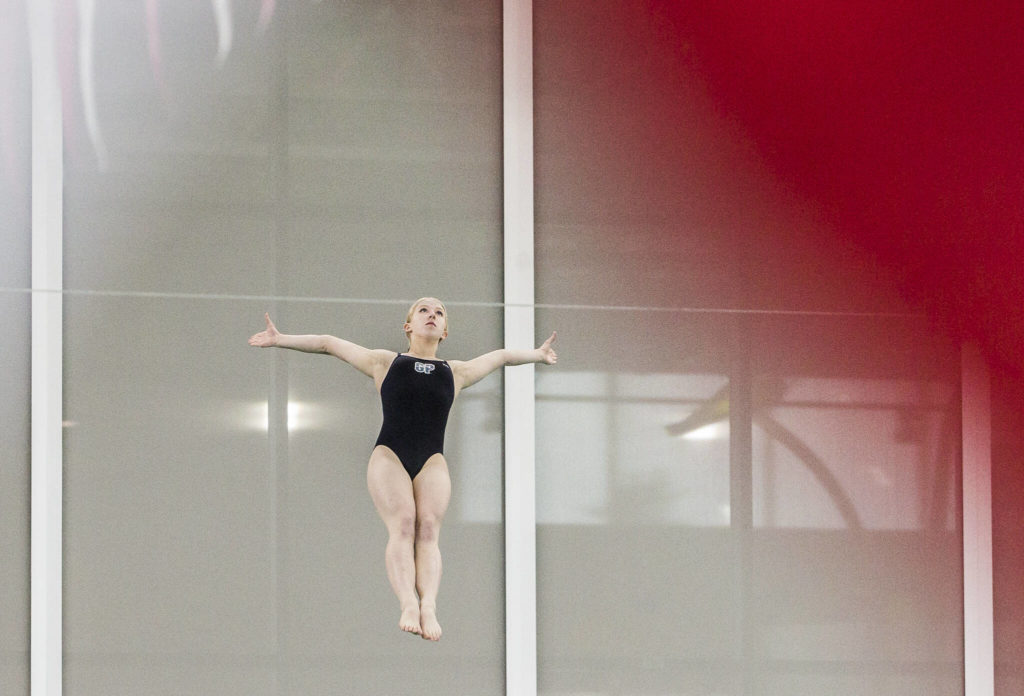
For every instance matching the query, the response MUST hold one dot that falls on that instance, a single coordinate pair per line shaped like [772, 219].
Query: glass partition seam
[46, 627]
[469, 303]
[520, 488]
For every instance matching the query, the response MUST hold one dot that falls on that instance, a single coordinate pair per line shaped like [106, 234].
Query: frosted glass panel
[785, 490]
[15, 347]
[748, 456]
[1008, 527]
[634, 507]
[327, 163]
[14, 485]
[856, 554]
[322, 150]
[205, 553]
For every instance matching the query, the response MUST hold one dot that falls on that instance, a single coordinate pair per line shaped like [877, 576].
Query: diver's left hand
[547, 353]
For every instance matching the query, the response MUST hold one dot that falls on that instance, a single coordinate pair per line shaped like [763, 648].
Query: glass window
[747, 457]
[328, 163]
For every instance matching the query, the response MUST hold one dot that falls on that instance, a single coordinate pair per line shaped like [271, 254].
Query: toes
[410, 622]
[431, 631]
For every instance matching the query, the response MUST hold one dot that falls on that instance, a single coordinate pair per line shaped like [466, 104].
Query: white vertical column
[979, 649]
[520, 508]
[47, 347]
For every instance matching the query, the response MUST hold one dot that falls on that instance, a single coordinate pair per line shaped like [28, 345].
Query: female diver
[408, 474]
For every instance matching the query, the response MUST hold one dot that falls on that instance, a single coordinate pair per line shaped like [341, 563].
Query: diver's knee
[427, 527]
[403, 527]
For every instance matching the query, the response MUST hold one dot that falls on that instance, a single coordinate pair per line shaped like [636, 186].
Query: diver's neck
[425, 349]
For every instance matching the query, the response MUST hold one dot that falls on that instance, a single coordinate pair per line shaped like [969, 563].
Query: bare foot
[430, 629]
[410, 620]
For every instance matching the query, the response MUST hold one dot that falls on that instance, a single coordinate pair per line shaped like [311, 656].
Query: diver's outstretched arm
[472, 371]
[363, 359]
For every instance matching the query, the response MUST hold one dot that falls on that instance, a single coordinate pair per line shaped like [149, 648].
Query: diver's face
[428, 320]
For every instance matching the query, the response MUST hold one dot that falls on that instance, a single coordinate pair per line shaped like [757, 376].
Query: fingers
[550, 357]
[260, 340]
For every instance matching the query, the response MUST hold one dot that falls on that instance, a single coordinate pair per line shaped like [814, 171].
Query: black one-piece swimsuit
[416, 396]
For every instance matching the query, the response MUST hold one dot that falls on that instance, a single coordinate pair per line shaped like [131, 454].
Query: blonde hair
[417, 303]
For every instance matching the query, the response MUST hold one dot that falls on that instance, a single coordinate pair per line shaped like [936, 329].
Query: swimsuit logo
[425, 368]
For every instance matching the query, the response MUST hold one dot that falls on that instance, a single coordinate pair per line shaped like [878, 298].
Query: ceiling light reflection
[302, 415]
[711, 431]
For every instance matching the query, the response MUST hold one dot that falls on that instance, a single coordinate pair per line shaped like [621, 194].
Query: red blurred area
[902, 120]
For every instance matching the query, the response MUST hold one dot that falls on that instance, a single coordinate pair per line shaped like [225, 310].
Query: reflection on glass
[845, 557]
[857, 454]
[636, 567]
[853, 582]
[615, 452]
